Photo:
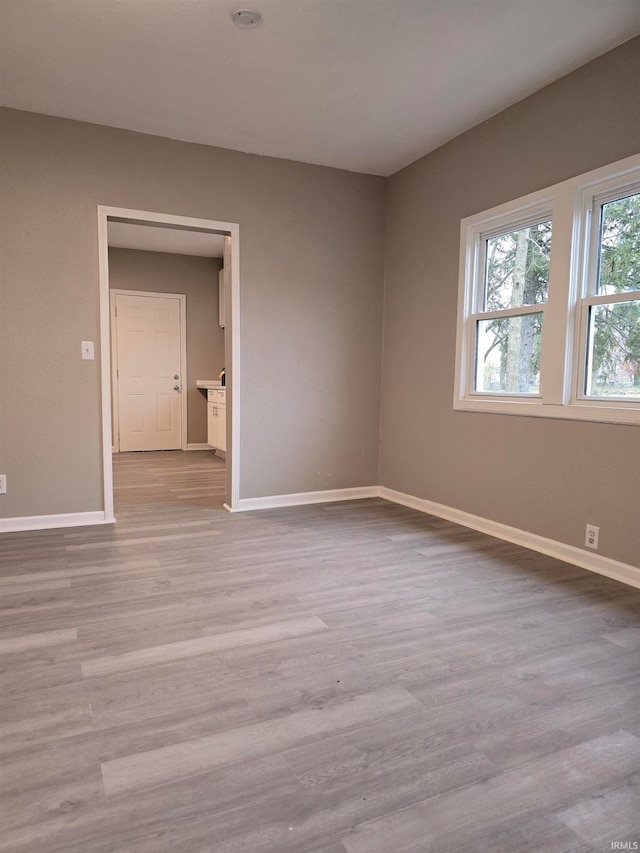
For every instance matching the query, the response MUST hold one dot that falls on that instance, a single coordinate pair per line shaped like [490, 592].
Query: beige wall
[549, 477]
[311, 268]
[197, 278]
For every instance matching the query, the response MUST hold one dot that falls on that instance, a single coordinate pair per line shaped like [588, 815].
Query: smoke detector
[245, 18]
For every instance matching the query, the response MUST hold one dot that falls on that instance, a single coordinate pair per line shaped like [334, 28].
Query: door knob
[176, 376]
[176, 387]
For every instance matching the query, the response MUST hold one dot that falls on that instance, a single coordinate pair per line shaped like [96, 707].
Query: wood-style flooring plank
[37, 641]
[211, 643]
[146, 770]
[514, 795]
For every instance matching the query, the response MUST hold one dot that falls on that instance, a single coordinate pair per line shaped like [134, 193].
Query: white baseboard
[46, 522]
[297, 499]
[614, 569]
[552, 548]
[194, 446]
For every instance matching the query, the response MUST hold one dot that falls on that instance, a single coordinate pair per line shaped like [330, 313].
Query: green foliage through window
[516, 275]
[517, 267]
[614, 329]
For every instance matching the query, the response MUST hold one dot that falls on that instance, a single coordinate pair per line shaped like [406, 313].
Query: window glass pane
[508, 354]
[613, 368]
[517, 267]
[619, 264]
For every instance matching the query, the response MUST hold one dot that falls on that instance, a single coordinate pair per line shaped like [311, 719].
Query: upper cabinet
[221, 289]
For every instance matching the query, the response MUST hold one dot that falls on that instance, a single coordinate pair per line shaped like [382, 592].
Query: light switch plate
[87, 351]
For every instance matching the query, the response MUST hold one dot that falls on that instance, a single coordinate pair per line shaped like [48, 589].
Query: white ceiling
[152, 238]
[365, 85]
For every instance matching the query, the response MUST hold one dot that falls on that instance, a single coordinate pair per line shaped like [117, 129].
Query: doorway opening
[174, 231]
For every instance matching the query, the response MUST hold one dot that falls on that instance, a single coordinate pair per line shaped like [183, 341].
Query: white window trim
[565, 313]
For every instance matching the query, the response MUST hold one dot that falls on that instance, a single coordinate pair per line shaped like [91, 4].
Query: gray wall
[311, 267]
[198, 279]
[549, 477]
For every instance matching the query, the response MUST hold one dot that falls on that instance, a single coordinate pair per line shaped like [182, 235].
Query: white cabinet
[217, 418]
[222, 428]
[212, 425]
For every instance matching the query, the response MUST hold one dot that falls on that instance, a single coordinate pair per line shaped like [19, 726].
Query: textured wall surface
[549, 477]
[311, 267]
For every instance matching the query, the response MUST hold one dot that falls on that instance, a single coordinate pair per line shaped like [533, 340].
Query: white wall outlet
[87, 351]
[591, 536]
[3, 484]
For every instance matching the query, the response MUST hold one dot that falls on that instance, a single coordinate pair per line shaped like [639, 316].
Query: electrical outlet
[3, 484]
[591, 536]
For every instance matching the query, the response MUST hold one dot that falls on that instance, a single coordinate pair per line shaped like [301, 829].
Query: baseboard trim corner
[623, 572]
[48, 522]
[198, 446]
[300, 498]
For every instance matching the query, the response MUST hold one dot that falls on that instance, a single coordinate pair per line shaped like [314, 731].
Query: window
[612, 300]
[514, 292]
[549, 302]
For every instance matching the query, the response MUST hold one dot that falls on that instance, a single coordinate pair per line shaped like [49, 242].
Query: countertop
[209, 383]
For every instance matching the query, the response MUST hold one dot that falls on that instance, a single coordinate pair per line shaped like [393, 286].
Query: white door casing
[231, 419]
[148, 356]
[105, 213]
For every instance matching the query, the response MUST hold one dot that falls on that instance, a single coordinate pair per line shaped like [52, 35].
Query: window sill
[577, 411]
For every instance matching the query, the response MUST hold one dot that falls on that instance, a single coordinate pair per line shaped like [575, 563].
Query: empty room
[319, 426]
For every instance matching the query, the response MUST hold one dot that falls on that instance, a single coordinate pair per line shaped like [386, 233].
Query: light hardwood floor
[345, 678]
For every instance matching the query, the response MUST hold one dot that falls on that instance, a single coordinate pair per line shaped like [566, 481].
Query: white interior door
[149, 380]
